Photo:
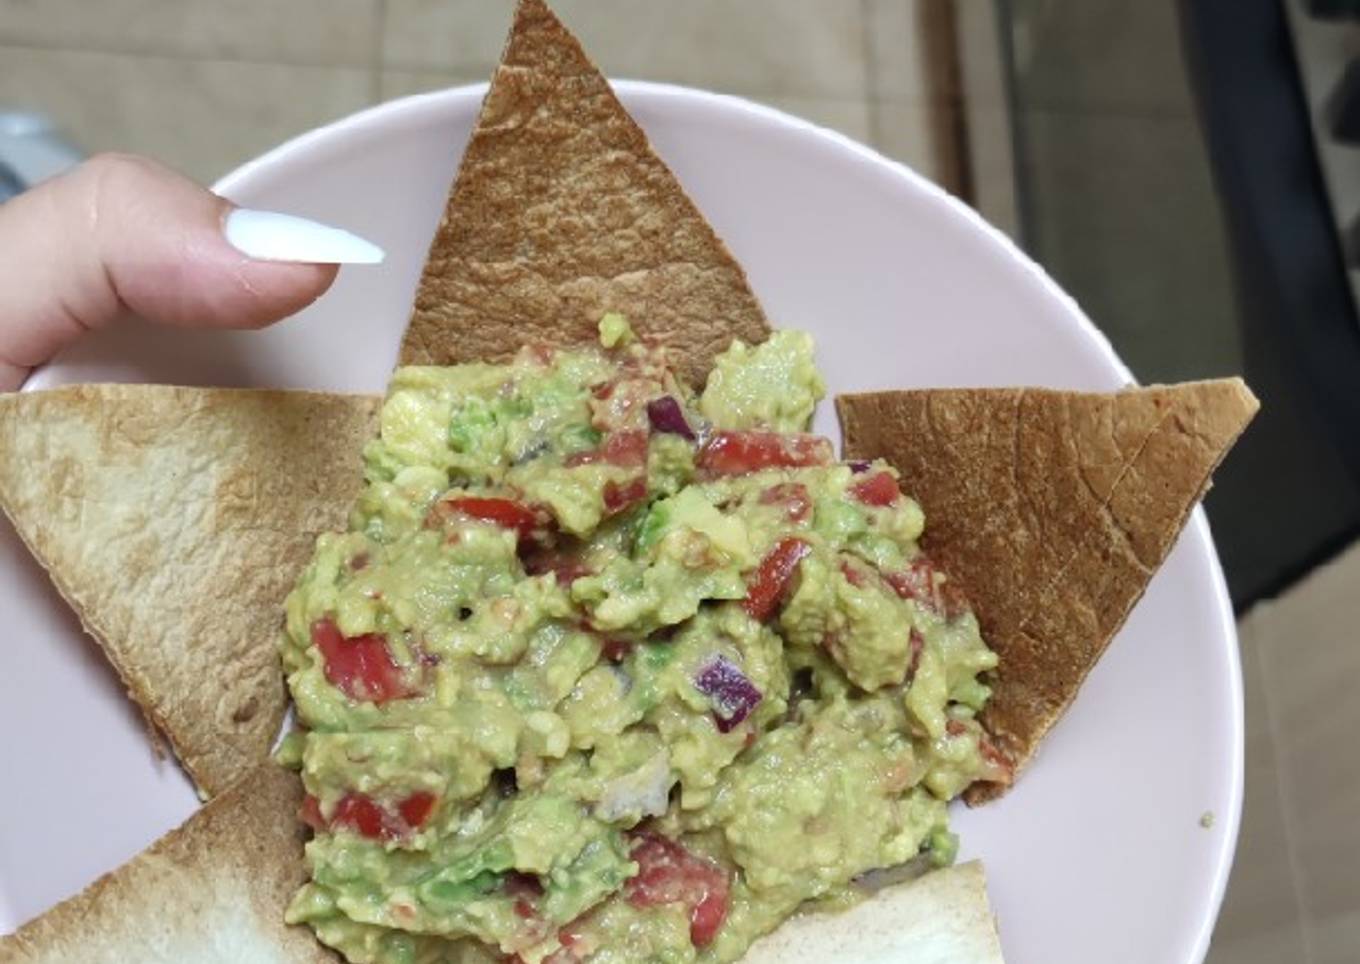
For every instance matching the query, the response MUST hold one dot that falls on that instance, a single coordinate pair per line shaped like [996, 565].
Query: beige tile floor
[206, 84]
[1295, 891]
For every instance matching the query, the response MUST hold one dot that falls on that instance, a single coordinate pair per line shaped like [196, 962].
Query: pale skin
[121, 235]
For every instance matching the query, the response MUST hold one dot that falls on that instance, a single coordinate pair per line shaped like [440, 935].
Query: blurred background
[1189, 171]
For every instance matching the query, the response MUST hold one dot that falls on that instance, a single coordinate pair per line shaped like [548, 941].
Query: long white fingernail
[271, 236]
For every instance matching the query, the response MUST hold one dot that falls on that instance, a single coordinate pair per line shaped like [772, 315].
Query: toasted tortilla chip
[940, 918]
[212, 891]
[1052, 510]
[561, 212]
[175, 520]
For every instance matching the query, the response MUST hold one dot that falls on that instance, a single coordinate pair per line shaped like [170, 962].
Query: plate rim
[668, 96]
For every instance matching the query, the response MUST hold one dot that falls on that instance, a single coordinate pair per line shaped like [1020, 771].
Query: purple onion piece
[666, 416]
[733, 695]
[859, 466]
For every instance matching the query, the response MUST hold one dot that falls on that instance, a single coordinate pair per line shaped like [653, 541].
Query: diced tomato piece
[566, 568]
[626, 448]
[619, 497]
[361, 667]
[877, 489]
[854, 575]
[918, 582]
[766, 587]
[670, 874]
[586, 457]
[735, 453]
[707, 917]
[506, 513]
[416, 808]
[997, 767]
[615, 650]
[358, 812]
[793, 496]
[1000, 769]
[310, 813]
[917, 643]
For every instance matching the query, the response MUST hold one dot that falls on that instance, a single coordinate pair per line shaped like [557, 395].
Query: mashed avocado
[603, 671]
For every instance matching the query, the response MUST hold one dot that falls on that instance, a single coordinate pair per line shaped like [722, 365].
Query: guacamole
[605, 671]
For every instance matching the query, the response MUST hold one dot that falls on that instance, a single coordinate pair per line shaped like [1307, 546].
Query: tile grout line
[1281, 794]
[377, 46]
[872, 87]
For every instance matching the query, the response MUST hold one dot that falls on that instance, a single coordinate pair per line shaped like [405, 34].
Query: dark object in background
[31, 150]
[1290, 496]
[1343, 106]
[1334, 9]
[10, 185]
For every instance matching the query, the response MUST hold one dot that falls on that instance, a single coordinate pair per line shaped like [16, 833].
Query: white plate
[1097, 855]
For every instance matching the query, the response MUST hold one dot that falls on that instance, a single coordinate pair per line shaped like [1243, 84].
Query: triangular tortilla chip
[1051, 510]
[175, 520]
[940, 918]
[561, 212]
[212, 891]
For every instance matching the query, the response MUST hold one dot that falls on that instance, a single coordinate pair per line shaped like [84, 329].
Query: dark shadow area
[1289, 497]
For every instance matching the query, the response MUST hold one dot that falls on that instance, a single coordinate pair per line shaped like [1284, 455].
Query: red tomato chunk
[361, 667]
[362, 814]
[619, 497]
[626, 449]
[918, 582]
[506, 513]
[766, 588]
[878, 489]
[670, 874]
[793, 496]
[735, 453]
[416, 808]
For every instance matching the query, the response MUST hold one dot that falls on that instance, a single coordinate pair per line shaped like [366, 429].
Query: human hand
[123, 235]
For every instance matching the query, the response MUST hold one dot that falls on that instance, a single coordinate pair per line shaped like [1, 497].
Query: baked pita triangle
[174, 521]
[942, 917]
[1052, 510]
[561, 212]
[212, 891]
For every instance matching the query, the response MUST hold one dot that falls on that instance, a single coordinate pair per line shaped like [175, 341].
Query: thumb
[122, 234]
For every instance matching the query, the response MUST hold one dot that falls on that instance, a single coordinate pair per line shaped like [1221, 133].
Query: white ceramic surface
[1097, 855]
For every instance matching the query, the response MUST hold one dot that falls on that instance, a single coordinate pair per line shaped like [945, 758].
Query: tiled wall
[1295, 891]
[206, 84]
